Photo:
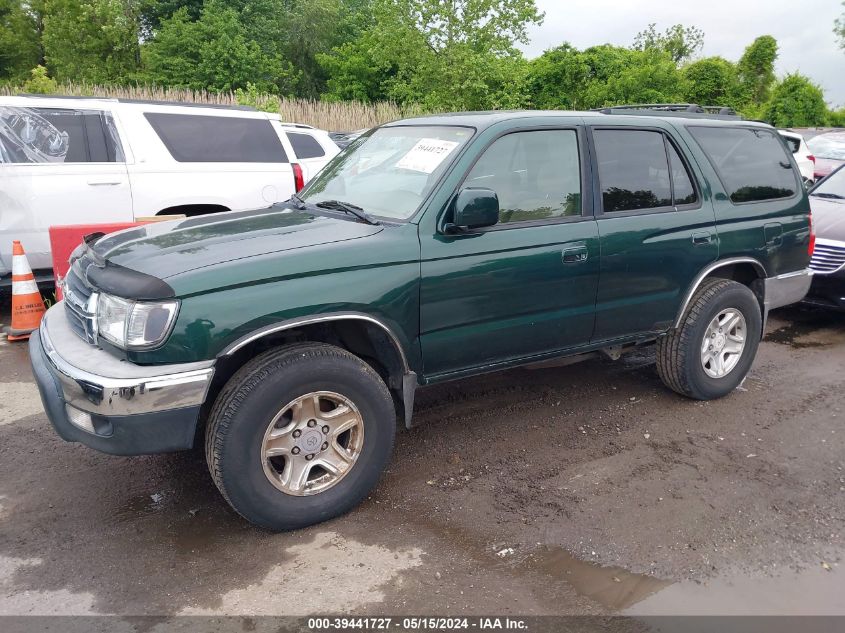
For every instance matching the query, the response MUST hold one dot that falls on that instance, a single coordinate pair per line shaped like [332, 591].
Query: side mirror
[474, 208]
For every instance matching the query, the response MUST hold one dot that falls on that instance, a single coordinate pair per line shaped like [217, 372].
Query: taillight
[812, 158]
[298, 178]
[812, 244]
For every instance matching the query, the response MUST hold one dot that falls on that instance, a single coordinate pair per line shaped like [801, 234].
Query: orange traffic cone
[27, 304]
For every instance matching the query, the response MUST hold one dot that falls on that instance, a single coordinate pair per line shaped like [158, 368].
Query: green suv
[291, 339]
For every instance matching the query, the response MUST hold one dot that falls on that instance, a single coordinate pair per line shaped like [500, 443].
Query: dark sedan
[827, 201]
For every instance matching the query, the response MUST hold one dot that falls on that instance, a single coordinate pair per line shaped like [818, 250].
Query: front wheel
[299, 435]
[710, 353]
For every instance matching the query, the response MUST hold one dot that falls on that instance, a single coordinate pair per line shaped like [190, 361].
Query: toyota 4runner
[290, 340]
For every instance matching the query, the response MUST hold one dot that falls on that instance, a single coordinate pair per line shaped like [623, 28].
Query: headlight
[134, 325]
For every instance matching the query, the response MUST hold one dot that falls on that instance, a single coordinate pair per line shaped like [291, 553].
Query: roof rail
[190, 104]
[299, 125]
[673, 109]
[68, 97]
[187, 104]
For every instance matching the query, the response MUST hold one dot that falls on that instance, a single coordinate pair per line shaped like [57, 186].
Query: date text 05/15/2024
[417, 624]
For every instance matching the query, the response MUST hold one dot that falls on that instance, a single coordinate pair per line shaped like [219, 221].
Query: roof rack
[187, 104]
[190, 104]
[673, 109]
[31, 95]
[299, 125]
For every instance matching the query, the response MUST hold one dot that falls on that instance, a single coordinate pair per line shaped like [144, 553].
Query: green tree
[679, 41]
[20, 46]
[311, 28]
[839, 29]
[712, 81]
[602, 76]
[756, 69]
[154, 12]
[442, 55]
[557, 77]
[213, 53]
[355, 72]
[290, 32]
[620, 75]
[796, 102]
[91, 40]
[39, 82]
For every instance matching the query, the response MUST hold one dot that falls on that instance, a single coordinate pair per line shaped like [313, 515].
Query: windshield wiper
[347, 207]
[298, 202]
[824, 194]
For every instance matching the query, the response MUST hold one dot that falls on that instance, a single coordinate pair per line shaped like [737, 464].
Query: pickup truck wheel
[299, 435]
[710, 353]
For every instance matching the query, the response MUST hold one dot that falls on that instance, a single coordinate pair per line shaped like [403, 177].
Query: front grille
[80, 305]
[828, 256]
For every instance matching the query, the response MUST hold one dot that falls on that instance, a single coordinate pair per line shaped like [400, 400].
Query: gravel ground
[585, 489]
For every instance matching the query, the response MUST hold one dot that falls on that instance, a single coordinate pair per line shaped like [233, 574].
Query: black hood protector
[120, 281]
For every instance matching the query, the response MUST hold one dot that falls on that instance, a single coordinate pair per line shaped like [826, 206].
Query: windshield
[390, 172]
[832, 187]
[828, 146]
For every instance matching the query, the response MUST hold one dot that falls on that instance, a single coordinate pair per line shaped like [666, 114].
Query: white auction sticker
[426, 155]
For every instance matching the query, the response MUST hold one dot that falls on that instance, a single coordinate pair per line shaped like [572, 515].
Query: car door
[204, 159]
[67, 167]
[526, 286]
[656, 230]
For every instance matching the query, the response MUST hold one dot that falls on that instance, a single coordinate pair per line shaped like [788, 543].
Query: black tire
[255, 394]
[679, 362]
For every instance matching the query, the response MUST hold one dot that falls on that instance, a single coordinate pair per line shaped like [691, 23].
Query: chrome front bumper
[94, 381]
[786, 289]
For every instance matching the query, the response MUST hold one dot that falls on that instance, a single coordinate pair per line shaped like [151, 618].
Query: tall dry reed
[328, 115]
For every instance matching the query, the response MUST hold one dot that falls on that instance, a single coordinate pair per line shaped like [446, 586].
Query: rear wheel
[300, 435]
[710, 353]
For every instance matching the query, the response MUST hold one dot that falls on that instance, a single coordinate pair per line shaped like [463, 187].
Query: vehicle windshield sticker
[426, 155]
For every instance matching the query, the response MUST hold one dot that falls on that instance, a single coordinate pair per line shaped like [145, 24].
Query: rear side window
[536, 175]
[57, 135]
[633, 170]
[640, 170]
[215, 139]
[305, 145]
[792, 143]
[752, 163]
[684, 191]
[72, 123]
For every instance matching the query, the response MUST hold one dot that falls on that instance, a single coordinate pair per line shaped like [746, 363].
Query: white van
[68, 160]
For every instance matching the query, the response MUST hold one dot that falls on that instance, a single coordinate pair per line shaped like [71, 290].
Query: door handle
[575, 254]
[702, 238]
[104, 183]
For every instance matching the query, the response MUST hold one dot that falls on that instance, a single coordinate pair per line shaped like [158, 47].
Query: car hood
[828, 218]
[165, 249]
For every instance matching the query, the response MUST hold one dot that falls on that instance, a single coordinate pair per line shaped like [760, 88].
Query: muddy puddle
[612, 587]
[814, 590]
[818, 589]
[808, 328]
[792, 335]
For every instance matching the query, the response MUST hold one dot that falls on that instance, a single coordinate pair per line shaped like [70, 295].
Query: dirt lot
[586, 489]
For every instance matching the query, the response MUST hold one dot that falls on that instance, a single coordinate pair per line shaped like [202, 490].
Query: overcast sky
[803, 29]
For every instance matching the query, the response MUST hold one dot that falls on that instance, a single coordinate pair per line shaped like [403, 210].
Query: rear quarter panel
[774, 232]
